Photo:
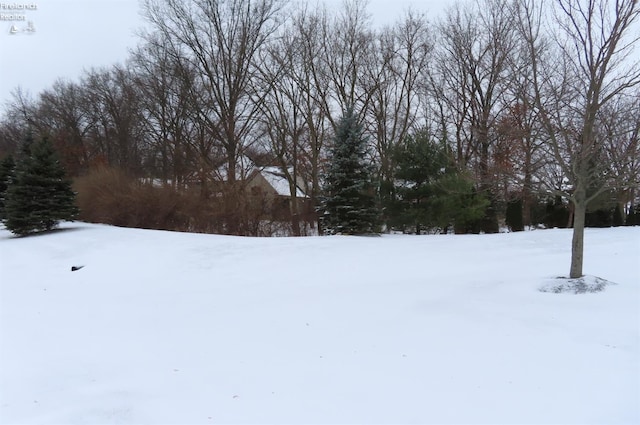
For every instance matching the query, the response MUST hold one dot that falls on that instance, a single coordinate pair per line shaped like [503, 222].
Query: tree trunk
[526, 209]
[577, 244]
[295, 214]
[526, 192]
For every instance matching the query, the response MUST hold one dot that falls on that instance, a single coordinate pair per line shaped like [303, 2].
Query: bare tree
[520, 153]
[307, 92]
[63, 115]
[112, 106]
[619, 125]
[220, 39]
[393, 77]
[283, 117]
[582, 67]
[347, 45]
[20, 118]
[473, 66]
[166, 85]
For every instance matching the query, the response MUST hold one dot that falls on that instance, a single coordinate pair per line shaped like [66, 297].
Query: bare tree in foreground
[579, 71]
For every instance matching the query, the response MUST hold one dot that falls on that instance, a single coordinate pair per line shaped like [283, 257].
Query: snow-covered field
[162, 327]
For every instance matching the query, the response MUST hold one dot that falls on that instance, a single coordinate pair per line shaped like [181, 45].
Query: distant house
[269, 187]
[272, 180]
[271, 184]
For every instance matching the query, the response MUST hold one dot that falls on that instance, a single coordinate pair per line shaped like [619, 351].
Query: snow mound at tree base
[581, 285]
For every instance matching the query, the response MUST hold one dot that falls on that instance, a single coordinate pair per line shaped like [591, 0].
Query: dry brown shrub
[108, 195]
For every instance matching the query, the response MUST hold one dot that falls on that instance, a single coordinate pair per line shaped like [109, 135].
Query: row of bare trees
[532, 97]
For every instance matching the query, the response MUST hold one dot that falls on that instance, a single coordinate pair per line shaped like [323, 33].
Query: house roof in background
[275, 177]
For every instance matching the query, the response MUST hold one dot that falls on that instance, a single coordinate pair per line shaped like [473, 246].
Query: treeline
[501, 112]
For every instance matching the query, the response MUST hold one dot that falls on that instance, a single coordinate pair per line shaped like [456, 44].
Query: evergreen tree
[618, 216]
[556, 213]
[7, 168]
[419, 163]
[456, 202]
[513, 215]
[39, 196]
[430, 191]
[633, 217]
[349, 205]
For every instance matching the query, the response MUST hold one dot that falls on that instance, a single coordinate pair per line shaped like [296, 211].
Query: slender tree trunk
[489, 223]
[294, 210]
[293, 188]
[526, 190]
[526, 208]
[577, 244]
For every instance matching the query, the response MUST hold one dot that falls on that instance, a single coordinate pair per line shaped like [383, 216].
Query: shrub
[513, 215]
[108, 195]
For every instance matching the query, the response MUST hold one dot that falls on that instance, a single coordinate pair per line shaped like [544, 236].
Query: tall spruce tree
[350, 203]
[7, 169]
[40, 196]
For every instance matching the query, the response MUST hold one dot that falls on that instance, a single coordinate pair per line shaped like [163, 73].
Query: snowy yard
[162, 327]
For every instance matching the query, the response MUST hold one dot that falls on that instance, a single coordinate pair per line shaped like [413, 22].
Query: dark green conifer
[618, 216]
[633, 217]
[430, 192]
[513, 215]
[40, 196]
[7, 169]
[350, 205]
[419, 164]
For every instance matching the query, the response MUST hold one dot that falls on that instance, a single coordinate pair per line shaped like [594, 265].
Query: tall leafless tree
[112, 106]
[473, 66]
[619, 125]
[393, 79]
[19, 118]
[166, 85]
[283, 117]
[63, 113]
[347, 45]
[307, 86]
[578, 70]
[220, 39]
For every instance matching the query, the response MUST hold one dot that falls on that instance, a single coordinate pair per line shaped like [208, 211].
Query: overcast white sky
[72, 35]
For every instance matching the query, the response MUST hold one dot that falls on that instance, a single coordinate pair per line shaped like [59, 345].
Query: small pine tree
[7, 168]
[349, 206]
[39, 196]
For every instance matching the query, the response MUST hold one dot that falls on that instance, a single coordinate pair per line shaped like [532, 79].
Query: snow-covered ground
[162, 327]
